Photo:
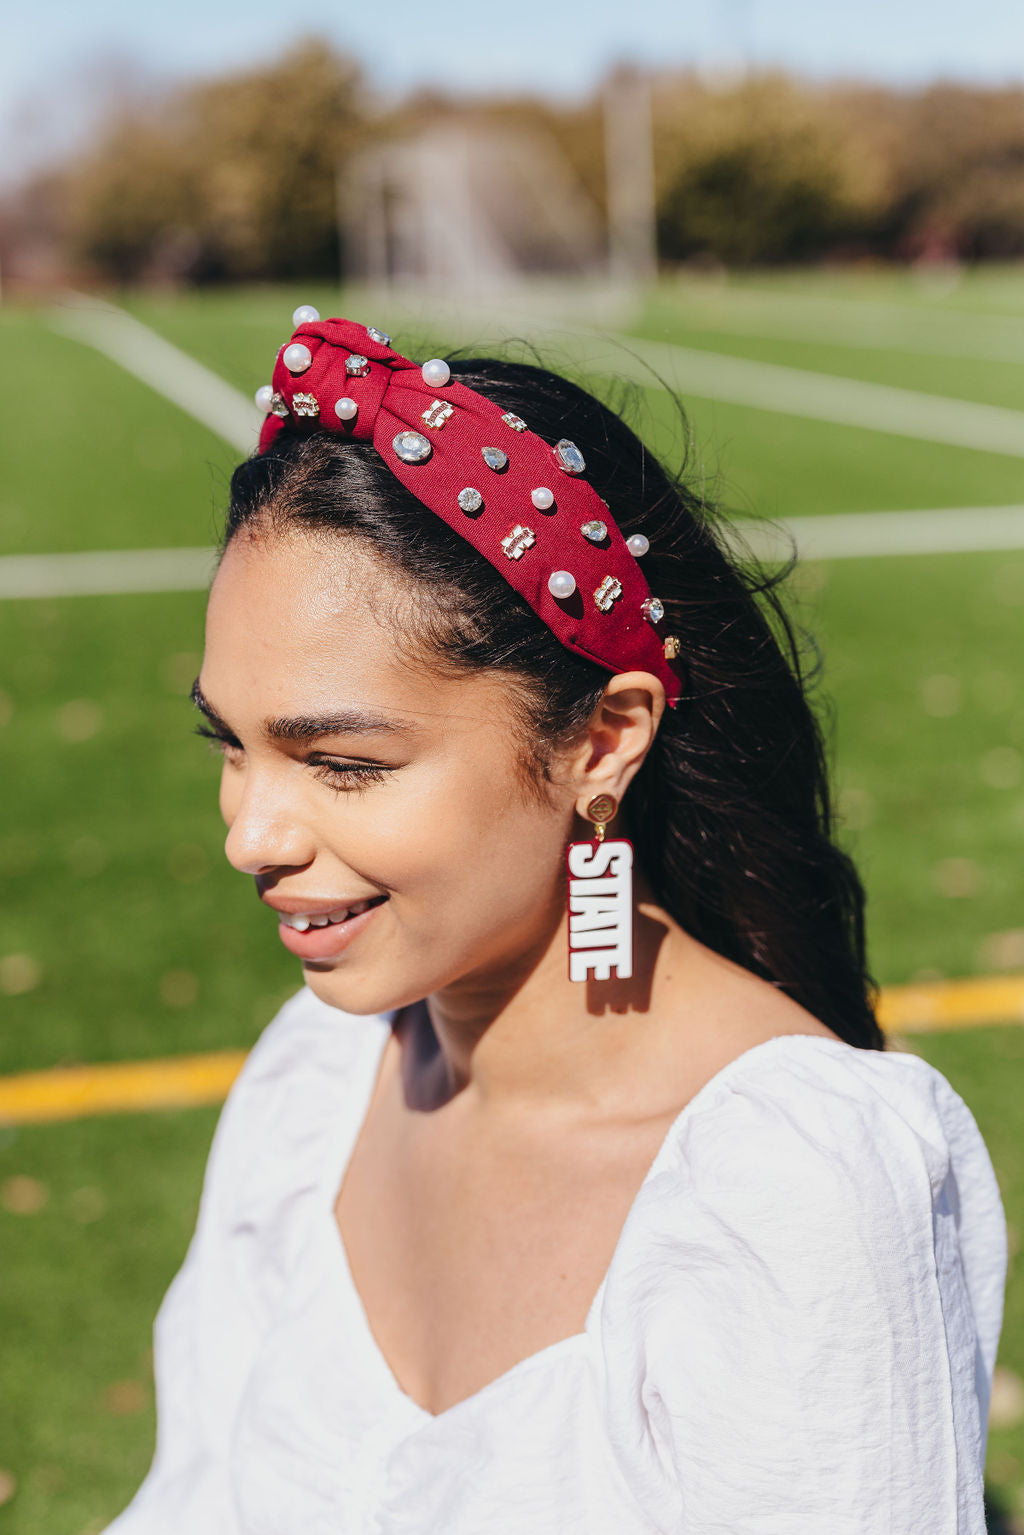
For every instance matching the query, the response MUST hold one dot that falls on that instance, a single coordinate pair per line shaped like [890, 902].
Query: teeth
[302, 923]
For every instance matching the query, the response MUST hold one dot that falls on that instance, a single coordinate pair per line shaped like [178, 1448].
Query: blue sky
[55, 51]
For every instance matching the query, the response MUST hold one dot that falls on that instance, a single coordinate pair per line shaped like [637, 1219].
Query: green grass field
[130, 937]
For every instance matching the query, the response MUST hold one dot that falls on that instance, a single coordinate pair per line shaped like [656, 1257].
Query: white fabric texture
[796, 1333]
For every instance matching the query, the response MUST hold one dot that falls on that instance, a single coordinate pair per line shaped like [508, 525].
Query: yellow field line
[73, 1092]
[184, 1081]
[969, 1004]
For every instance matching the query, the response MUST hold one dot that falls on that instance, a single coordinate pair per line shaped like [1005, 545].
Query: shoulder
[805, 1135]
[293, 1086]
[812, 1102]
[840, 1192]
[812, 1279]
[306, 1042]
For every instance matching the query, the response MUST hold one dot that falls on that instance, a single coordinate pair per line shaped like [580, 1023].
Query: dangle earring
[600, 900]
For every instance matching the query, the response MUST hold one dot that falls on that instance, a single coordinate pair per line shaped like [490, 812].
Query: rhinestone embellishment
[437, 413]
[515, 422]
[653, 609]
[595, 531]
[470, 499]
[608, 593]
[495, 459]
[672, 648]
[356, 366]
[305, 405]
[568, 457]
[412, 447]
[380, 336]
[516, 543]
[278, 404]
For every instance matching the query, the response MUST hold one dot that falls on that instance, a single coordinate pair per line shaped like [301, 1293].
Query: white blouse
[795, 1335]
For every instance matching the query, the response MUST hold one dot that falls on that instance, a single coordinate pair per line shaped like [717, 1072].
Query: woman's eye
[349, 775]
[232, 751]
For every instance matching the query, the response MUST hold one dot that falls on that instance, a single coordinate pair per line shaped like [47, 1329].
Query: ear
[619, 736]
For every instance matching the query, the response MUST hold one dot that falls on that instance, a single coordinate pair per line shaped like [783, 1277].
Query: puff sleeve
[802, 1337]
[216, 1311]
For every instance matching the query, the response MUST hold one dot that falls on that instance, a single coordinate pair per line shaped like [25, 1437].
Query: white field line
[709, 375]
[792, 391]
[161, 365]
[815, 396]
[852, 535]
[864, 324]
[732, 380]
[106, 573]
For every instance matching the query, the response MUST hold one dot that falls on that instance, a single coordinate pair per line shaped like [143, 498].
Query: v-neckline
[360, 1094]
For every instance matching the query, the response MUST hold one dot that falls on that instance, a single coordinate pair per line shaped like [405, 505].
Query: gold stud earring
[601, 810]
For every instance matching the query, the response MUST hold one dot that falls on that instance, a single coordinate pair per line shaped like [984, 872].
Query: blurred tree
[233, 178]
[236, 178]
[757, 172]
[958, 173]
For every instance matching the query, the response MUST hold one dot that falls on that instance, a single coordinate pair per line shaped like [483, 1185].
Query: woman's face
[353, 777]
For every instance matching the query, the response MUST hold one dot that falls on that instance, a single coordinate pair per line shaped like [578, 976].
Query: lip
[324, 942]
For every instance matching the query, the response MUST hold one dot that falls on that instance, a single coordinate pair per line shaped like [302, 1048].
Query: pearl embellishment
[297, 357]
[561, 584]
[436, 373]
[637, 545]
[305, 315]
[345, 409]
[544, 500]
[263, 397]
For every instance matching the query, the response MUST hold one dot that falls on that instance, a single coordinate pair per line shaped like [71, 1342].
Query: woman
[524, 1219]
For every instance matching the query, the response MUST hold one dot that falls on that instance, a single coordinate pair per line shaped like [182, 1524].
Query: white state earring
[600, 900]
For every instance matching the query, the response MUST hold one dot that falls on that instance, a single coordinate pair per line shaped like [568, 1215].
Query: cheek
[463, 853]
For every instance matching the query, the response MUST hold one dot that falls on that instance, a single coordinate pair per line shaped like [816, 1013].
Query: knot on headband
[520, 501]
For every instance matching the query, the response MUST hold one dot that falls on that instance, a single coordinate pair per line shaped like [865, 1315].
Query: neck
[532, 1034]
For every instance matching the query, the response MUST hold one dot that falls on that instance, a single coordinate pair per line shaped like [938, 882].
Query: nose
[264, 831]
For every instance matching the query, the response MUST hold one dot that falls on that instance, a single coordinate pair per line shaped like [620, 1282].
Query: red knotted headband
[514, 497]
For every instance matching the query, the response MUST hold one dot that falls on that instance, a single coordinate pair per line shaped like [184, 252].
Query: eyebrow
[306, 727]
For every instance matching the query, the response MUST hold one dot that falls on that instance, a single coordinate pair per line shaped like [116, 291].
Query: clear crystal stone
[495, 459]
[596, 531]
[569, 457]
[653, 610]
[470, 500]
[412, 447]
[357, 366]
[380, 336]
[278, 405]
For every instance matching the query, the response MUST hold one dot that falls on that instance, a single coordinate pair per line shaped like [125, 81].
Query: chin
[362, 995]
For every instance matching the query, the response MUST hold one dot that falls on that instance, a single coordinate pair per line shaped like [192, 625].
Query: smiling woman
[658, 1239]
